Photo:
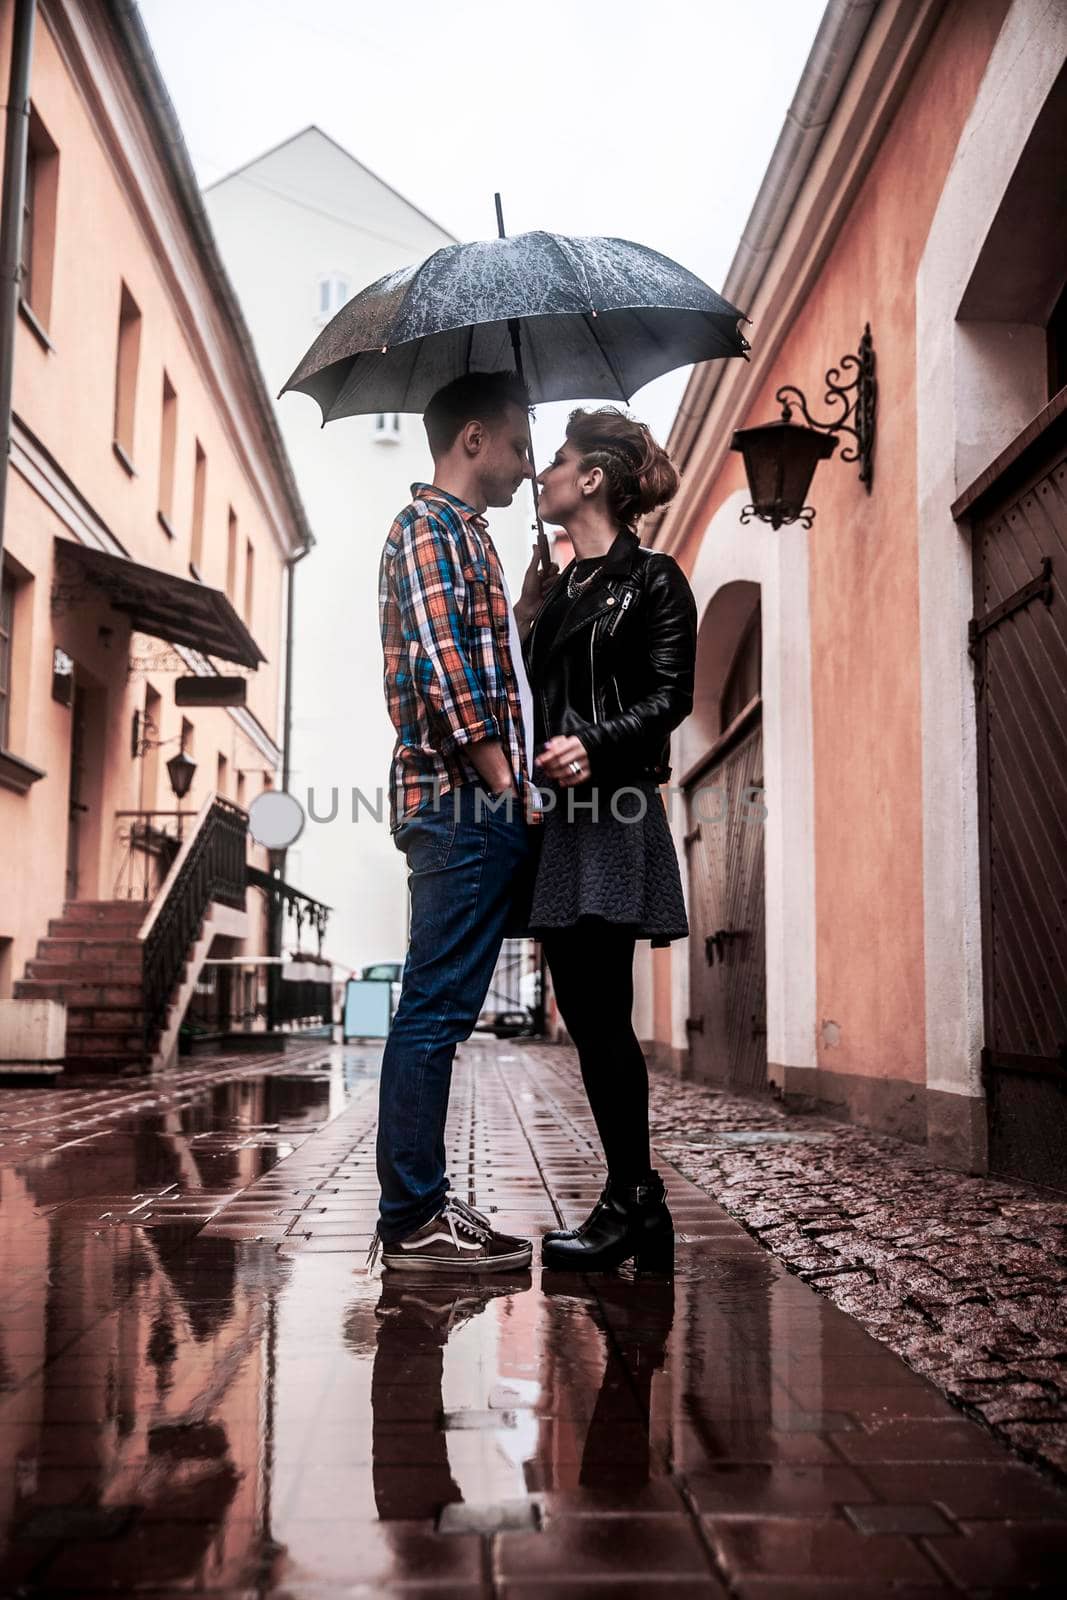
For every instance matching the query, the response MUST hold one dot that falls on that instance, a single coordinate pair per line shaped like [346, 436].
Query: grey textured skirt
[622, 866]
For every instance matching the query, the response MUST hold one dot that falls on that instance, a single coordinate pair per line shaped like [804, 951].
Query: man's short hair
[476, 397]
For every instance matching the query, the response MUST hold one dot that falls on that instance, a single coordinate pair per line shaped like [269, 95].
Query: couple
[530, 745]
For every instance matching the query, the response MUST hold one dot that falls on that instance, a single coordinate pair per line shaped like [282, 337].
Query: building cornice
[798, 214]
[109, 60]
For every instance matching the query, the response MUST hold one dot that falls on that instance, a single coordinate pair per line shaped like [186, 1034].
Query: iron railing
[303, 908]
[225, 1000]
[150, 842]
[305, 1000]
[213, 869]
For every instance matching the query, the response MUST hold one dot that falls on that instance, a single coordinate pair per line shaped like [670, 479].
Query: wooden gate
[727, 1025]
[1018, 638]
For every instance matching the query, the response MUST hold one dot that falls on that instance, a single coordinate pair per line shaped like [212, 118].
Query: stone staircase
[91, 958]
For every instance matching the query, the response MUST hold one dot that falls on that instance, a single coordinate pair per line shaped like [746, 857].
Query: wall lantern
[780, 457]
[180, 770]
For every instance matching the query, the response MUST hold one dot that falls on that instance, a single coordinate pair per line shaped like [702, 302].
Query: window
[167, 442]
[332, 295]
[387, 427]
[231, 553]
[240, 789]
[126, 377]
[7, 620]
[250, 556]
[222, 779]
[39, 221]
[188, 738]
[196, 550]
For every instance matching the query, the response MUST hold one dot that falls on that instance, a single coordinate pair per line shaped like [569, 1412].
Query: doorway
[1020, 652]
[727, 1025]
[87, 733]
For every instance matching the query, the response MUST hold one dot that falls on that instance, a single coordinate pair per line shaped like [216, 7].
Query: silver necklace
[574, 589]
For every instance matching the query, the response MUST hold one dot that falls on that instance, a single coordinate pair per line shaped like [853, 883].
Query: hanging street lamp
[180, 770]
[780, 457]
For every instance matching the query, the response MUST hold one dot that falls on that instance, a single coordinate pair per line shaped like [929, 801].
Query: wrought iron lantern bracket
[857, 416]
[805, 516]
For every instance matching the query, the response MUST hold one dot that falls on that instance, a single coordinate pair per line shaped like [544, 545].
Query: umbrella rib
[612, 368]
[575, 263]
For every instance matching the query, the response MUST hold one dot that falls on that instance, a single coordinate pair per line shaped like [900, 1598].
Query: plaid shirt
[449, 678]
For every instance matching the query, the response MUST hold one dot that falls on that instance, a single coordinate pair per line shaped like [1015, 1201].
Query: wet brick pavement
[203, 1392]
[965, 1278]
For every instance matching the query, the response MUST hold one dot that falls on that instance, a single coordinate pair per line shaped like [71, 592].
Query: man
[463, 804]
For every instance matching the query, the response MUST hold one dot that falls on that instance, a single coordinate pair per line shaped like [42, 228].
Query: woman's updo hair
[638, 472]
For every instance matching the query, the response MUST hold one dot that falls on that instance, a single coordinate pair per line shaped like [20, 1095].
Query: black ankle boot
[629, 1221]
[555, 1234]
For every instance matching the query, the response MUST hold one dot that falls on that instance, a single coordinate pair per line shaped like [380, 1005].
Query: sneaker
[455, 1239]
[439, 1307]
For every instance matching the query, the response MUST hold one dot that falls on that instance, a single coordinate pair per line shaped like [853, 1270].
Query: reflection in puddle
[184, 1408]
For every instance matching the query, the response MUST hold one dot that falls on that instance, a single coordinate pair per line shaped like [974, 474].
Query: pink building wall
[119, 221]
[864, 582]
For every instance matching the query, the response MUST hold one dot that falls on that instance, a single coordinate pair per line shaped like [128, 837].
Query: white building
[302, 229]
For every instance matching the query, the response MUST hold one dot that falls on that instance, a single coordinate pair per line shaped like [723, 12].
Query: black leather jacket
[619, 672]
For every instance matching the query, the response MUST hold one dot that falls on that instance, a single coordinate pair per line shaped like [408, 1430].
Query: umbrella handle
[544, 553]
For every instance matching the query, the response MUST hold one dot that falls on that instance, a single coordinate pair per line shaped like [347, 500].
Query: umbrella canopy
[595, 318]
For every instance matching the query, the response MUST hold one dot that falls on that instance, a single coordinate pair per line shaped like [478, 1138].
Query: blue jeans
[466, 865]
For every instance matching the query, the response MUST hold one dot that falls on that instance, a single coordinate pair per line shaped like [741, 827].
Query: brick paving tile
[814, 1547]
[203, 1391]
[913, 1519]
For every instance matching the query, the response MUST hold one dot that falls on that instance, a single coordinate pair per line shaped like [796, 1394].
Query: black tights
[592, 973]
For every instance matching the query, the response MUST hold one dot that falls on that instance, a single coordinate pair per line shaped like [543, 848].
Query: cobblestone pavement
[965, 1278]
[203, 1391]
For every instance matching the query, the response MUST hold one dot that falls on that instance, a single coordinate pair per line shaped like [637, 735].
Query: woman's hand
[557, 758]
[535, 586]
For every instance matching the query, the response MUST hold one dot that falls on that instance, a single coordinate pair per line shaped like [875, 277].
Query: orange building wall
[65, 397]
[864, 578]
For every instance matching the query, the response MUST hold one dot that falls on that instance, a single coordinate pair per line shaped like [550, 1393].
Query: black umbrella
[577, 317]
[595, 318]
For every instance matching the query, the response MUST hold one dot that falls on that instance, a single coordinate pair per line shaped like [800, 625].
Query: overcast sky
[652, 122]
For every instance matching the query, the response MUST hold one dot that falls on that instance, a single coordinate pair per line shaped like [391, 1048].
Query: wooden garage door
[727, 1024]
[1019, 644]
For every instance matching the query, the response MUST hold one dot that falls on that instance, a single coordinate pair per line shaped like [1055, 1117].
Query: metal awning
[161, 604]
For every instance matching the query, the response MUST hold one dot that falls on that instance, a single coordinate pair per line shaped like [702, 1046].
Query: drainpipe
[287, 718]
[14, 192]
[278, 857]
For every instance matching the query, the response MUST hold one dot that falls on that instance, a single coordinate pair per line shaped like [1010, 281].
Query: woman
[610, 655]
